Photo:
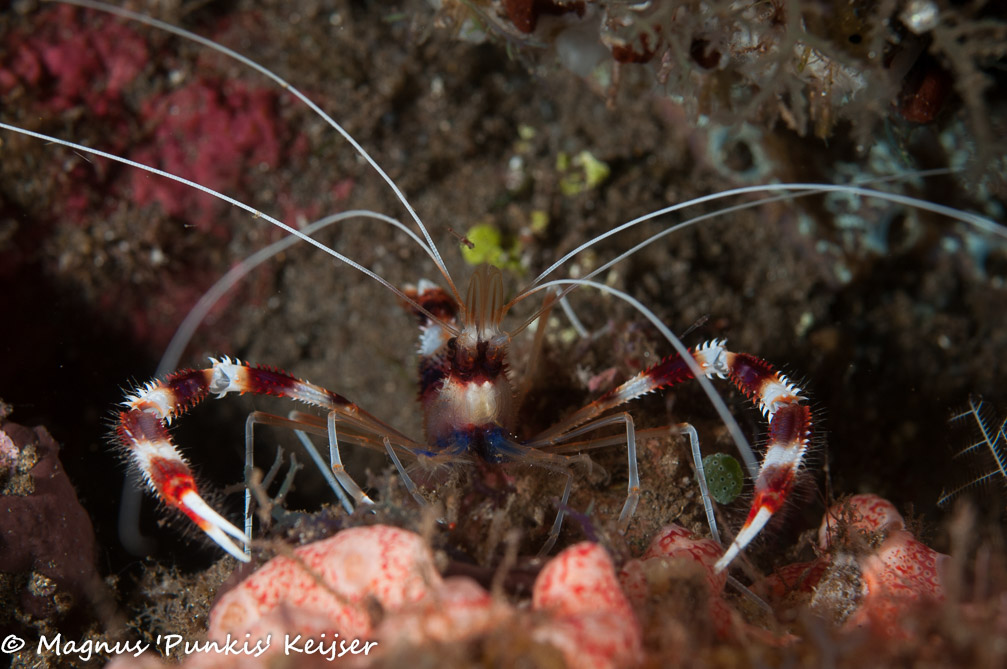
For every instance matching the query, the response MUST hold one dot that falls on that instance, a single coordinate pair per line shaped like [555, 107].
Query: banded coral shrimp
[685, 292]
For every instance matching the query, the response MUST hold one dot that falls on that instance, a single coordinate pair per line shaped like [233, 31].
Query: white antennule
[801, 190]
[183, 334]
[287, 86]
[979, 222]
[237, 203]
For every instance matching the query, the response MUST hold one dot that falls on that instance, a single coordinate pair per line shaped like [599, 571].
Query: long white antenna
[237, 203]
[283, 83]
[984, 224]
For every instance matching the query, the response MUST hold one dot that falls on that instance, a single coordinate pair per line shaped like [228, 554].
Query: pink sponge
[902, 574]
[896, 577]
[675, 543]
[328, 585]
[460, 608]
[867, 513]
[591, 621]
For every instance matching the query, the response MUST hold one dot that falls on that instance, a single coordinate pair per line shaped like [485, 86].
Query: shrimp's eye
[493, 361]
[462, 358]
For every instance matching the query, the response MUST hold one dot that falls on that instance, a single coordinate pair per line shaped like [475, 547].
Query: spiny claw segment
[142, 430]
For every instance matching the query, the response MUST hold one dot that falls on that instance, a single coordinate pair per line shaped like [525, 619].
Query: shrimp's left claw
[142, 431]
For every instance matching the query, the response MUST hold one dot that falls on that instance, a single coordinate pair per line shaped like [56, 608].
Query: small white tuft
[778, 393]
[432, 339]
[711, 356]
[228, 377]
[153, 397]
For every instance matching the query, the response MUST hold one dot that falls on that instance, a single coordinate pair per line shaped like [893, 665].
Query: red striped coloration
[669, 372]
[433, 361]
[776, 483]
[271, 381]
[790, 424]
[268, 381]
[434, 299]
[467, 401]
[173, 479]
[750, 373]
[142, 431]
[189, 386]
